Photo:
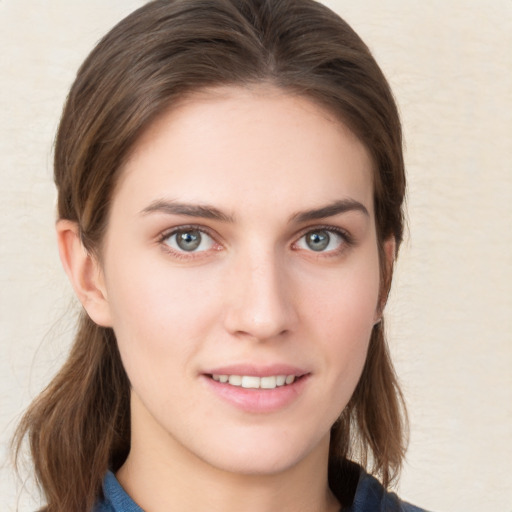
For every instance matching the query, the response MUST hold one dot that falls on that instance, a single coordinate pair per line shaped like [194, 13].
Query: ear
[84, 272]
[388, 255]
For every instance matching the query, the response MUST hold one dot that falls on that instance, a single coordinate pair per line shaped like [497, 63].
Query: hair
[80, 425]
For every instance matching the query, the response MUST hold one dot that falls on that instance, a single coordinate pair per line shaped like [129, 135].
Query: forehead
[247, 146]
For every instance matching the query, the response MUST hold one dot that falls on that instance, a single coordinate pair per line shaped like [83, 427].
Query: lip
[257, 371]
[257, 401]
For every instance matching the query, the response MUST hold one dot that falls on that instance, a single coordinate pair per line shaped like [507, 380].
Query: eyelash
[184, 228]
[348, 240]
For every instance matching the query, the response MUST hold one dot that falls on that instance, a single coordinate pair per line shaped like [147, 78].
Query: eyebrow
[334, 208]
[170, 207]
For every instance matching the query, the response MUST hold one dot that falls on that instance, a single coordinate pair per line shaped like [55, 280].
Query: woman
[230, 180]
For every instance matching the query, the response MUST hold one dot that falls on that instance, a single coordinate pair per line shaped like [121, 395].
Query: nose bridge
[260, 304]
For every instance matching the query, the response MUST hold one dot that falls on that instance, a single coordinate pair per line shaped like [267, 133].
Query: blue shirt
[370, 496]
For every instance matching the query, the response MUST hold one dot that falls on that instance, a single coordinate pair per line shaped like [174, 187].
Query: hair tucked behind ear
[80, 425]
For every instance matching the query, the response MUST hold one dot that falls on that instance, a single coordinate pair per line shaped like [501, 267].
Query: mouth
[255, 382]
[258, 390]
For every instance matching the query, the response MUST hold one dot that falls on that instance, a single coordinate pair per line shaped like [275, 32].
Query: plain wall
[450, 313]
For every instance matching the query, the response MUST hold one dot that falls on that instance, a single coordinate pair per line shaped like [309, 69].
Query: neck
[171, 478]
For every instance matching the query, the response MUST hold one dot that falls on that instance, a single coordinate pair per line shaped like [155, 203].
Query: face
[241, 277]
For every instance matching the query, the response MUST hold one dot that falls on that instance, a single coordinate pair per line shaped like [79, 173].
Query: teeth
[281, 380]
[235, 380]
[268, 382]
[252, 382]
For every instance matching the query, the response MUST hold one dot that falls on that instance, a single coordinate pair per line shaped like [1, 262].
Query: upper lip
[257, 370]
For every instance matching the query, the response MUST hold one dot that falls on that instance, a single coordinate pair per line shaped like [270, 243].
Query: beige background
[450, 315]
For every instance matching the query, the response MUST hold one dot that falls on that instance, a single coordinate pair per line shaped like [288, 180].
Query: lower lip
[258, 401]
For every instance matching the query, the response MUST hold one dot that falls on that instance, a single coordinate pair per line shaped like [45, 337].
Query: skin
[254, 292]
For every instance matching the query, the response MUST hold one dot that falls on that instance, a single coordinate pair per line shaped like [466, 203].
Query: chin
[260, 457]
[260, 465]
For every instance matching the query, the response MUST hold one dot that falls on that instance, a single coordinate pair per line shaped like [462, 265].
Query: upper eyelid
[218, 239]
[166, 233]
[347, 240]
[182, 254]
[324, 227]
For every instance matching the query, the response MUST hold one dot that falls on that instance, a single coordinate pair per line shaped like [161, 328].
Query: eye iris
[188, 240]
[318, 240]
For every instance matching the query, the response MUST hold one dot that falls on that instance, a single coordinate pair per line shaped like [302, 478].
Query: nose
[260, 302]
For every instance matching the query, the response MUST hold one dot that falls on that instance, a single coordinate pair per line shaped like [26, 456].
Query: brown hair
[80, 425]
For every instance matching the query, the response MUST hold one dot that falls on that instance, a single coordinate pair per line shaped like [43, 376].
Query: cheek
[160, 317]
[155, 321]
[343, 312]
[150, 296]
[347, 298]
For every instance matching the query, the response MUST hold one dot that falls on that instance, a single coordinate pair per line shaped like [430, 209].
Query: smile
[254, 382]
[258, 390]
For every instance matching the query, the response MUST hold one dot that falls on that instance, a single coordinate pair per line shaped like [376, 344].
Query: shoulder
[103, 506]
[115, 498]
[371, 496]
[352, 485]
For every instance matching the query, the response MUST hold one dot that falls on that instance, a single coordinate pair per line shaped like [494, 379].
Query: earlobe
[84, 273]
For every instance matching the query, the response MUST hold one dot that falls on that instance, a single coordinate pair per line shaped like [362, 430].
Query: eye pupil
[318, 240]
[188, 240]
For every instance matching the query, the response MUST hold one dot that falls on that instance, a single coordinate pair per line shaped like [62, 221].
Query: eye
[189, 240]
[321, 240]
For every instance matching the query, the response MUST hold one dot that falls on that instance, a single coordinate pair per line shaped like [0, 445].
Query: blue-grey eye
[321, 240]
[189, 240]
